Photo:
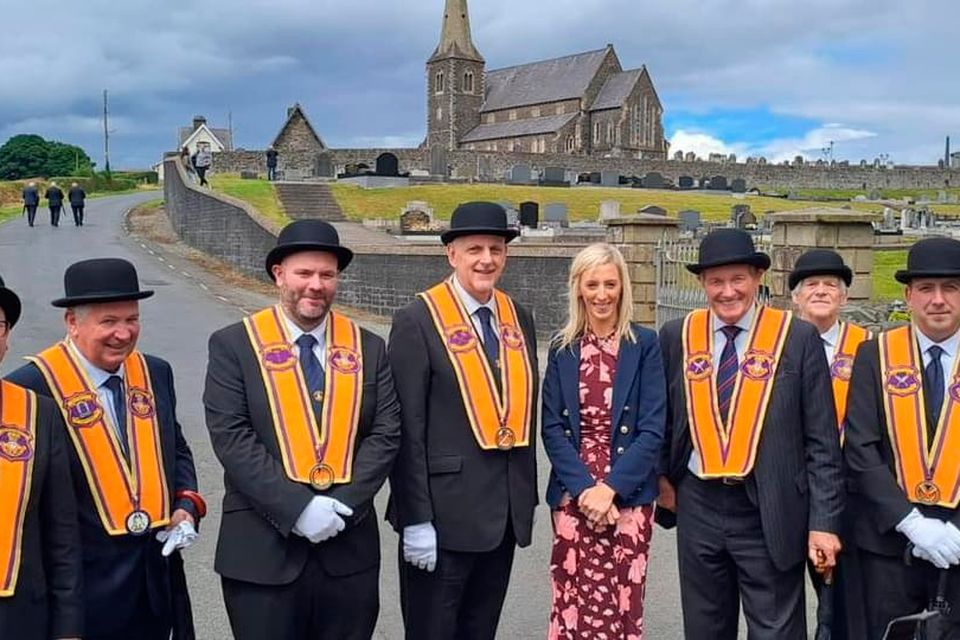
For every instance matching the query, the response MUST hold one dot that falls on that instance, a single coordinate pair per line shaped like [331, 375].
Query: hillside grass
[258, 193]
[885, 264]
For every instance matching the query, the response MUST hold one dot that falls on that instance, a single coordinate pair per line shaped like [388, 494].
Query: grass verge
[258, 193]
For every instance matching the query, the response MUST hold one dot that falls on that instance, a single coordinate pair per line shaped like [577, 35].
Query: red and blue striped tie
[727, 373]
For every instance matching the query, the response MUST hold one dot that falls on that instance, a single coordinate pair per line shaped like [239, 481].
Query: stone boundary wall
[381, 279]
[493, 166]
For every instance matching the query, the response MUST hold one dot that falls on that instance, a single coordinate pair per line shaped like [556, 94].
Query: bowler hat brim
[97, 298]
[904, 276]
[796, 276]
[756, 259]
[277, 254]
[507, 234]
[10, 303]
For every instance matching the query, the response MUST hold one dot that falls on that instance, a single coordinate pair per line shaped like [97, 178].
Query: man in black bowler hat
[119, 407]
[303, 415]
[40, 585]
[752, 470]
[463, 493]
[818, 284]
[903, 425]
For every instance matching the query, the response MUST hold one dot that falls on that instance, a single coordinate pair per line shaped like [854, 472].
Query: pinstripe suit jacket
[796, 482]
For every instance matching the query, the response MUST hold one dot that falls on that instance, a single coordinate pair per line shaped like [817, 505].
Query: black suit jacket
[797, 480]
[47, 599]
[116, 568]
[261, 504]
[442, 475]
[54, 196]
[874, 491]
[76, 196]
[31, 197]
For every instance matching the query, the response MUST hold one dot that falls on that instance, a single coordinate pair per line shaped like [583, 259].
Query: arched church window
[438, 85]
[468, 82]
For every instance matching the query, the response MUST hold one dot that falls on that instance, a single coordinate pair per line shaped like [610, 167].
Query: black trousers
[77, 214]
[462, 598]
[55, 214]
[893, 589]
[724, 561]
[202, 174]
[142, 623]
[315, 606]
[31, 213]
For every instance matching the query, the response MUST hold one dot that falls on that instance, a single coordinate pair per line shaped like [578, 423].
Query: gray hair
[796, 289]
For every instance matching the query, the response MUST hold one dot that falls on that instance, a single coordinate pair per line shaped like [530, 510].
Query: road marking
[222, 299]
[185, 274]
[160, 259]
[172, 268]
[204, 287]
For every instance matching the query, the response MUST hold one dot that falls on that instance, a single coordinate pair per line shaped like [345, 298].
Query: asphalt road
[190, 303]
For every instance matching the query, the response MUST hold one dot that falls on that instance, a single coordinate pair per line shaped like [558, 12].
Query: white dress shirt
[320, 333]
[719, 342]
[947, 358]
[472, 304]
[97, 378]
[831, 341]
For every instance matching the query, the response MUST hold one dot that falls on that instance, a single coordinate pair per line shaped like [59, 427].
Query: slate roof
[616, 89]
[545, 81]
[223, 135]
[528, 127]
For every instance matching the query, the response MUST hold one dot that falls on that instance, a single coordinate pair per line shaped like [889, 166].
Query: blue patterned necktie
[491, 344]
[115, 385]
[727, 373]
[312, 371]
[933, 389]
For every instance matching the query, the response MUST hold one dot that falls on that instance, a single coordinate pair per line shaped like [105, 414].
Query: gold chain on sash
[731, 451]
[841, 367]
[18, 428]
[927, 475]
[131, 497]
[498, 420]
[320, 459]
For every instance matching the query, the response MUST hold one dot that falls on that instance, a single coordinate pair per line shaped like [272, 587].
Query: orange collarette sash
[928, 476]
[731, 451]
[841, 368]
[318, 458]
[499, 420]
[131, 497]
[18, 428]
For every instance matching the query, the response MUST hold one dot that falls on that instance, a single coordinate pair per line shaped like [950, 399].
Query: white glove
[180, 537]
[933, 540]
[420, 546]
[321, 519]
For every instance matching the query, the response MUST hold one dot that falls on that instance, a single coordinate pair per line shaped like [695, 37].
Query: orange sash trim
[841, 367]
[499, 420]
[18, 428]
[126, 494]
[927, 476]
[322, 458]
[731, 451]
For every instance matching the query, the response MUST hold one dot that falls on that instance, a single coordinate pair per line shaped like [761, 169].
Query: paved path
[188, 306]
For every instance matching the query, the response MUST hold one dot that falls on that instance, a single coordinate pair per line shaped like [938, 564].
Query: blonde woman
[604, 406]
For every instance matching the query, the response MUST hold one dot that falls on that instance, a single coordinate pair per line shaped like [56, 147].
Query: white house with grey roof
[581, 104]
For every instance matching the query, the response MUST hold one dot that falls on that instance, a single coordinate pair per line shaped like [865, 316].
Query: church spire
[455, 38]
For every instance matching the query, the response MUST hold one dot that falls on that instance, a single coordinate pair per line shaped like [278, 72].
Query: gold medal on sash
[138, 523]
[322, 477]
[505, 439]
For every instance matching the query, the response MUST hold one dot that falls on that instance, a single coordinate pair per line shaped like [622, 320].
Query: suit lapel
[628, 362]
[569, 365]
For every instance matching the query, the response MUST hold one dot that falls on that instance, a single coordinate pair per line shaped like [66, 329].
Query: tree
[29, 155]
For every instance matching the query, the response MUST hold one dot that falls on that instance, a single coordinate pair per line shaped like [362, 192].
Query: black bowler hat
[937, 257]
[479, 218]
[819, 262]
[100, 280]
[728, 246]
[10, 303]
[308, 235]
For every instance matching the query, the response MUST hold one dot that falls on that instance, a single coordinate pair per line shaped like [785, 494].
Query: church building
[581, 104]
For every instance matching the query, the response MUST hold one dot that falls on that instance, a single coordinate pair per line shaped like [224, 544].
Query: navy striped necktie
[727, 373]
[312, 371]
[491, 344]
[933, 389]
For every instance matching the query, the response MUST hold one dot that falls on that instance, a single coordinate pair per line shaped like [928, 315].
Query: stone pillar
[849, 233]
[637, 237]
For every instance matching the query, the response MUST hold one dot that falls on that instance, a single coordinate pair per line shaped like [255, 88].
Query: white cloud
[811, 145]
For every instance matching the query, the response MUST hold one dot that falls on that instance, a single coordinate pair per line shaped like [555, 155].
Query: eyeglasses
[4, 328]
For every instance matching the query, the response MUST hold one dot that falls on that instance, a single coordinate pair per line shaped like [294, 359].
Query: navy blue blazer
[638, 415]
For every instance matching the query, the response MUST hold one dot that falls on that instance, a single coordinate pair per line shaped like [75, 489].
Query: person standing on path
[31, 200]
[604, 407]
[272, 163]
[77, 197]
[202, 162]
[54, 196]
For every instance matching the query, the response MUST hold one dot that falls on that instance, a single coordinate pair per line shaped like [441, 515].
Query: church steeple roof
[455, 38]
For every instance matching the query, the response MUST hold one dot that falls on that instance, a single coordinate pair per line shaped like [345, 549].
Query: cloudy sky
[751, 77]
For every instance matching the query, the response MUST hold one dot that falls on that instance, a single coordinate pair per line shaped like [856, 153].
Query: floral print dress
[598, 572]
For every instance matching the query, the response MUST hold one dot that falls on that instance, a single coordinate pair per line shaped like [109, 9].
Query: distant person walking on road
[272, 163]
[202, 161]
[54, 196]
[77, 196]
[31, 200]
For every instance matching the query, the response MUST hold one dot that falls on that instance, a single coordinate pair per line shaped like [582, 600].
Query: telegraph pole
[106, 136]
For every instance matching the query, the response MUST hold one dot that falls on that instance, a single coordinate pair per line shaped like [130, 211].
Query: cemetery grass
[885, 264]
[258, 193]
[583, 203]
